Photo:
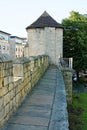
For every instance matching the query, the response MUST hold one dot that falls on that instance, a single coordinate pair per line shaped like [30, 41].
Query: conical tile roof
[45, 20]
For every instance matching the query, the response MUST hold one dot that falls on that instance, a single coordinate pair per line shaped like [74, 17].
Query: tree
[75, 40]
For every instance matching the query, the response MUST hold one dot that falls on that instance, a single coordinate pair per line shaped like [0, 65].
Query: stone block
[4, 72]
[18, 70]
[1, 92]
[2, 114]
[10, 105]
[6, 99]
[7, 109]
[27, 88]
[18, 98]
[1, 82]
[11, 86]
[6, 81]
[1, 103]
[14, 103]
[2, 122]
[17, 82]
[1, 72]
[18, 89]
[25, 74]
[10, 79]
[23, 92]
[12, 94]
[4, 90]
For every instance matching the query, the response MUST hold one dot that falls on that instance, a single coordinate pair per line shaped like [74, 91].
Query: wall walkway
[45, 108]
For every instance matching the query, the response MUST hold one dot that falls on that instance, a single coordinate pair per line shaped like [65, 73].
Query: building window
[18, 49]
[3, 37]
[3, 47]
[7, 48]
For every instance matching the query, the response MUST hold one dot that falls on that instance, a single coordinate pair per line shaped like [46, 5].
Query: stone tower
[45, 37]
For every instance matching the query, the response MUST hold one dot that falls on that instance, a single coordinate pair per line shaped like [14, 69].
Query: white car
[74, 77]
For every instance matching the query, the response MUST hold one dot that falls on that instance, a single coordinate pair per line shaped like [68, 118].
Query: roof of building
[45, 20]
[4, 32]
[18, 37]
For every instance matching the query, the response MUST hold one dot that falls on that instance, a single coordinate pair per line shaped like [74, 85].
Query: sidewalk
[45, 106]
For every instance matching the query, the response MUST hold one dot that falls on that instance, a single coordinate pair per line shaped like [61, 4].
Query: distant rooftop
[4, 32]
[22, 38]
[45, 20]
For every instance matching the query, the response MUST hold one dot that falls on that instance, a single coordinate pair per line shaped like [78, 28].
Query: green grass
[83, 104]
[78, 112]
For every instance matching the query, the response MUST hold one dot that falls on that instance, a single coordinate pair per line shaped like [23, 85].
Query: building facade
[17, 46]
[4, 42]
[45, 36]
[26, 50]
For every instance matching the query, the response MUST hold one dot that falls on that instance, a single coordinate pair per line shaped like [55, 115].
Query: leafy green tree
[75, 40]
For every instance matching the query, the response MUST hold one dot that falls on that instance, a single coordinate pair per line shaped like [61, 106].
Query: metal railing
[66, 62]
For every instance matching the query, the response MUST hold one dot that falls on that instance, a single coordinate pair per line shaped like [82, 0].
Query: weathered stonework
[67, 76]
[46, 41]
[45, 36]
[16, 80]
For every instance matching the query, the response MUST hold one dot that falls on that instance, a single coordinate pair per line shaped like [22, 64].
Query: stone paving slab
[35, 108]
[28, 120]
[39, 101]
[34, 112]
[24, 127]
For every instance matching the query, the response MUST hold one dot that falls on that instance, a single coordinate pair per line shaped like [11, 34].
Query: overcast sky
[16, 15]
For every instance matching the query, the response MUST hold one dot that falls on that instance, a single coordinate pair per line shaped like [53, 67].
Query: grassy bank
[78, 112]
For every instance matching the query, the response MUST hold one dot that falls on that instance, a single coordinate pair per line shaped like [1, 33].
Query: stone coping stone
[22, 60]
[5, 58]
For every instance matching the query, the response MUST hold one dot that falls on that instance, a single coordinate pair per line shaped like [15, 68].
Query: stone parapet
[59, 116]
[67, 76]
[16, 80]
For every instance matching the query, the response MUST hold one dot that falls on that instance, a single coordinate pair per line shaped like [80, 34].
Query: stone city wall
[67, 76]
[16, 80]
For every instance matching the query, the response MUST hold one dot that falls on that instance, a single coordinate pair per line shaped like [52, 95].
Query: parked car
[74, 77]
